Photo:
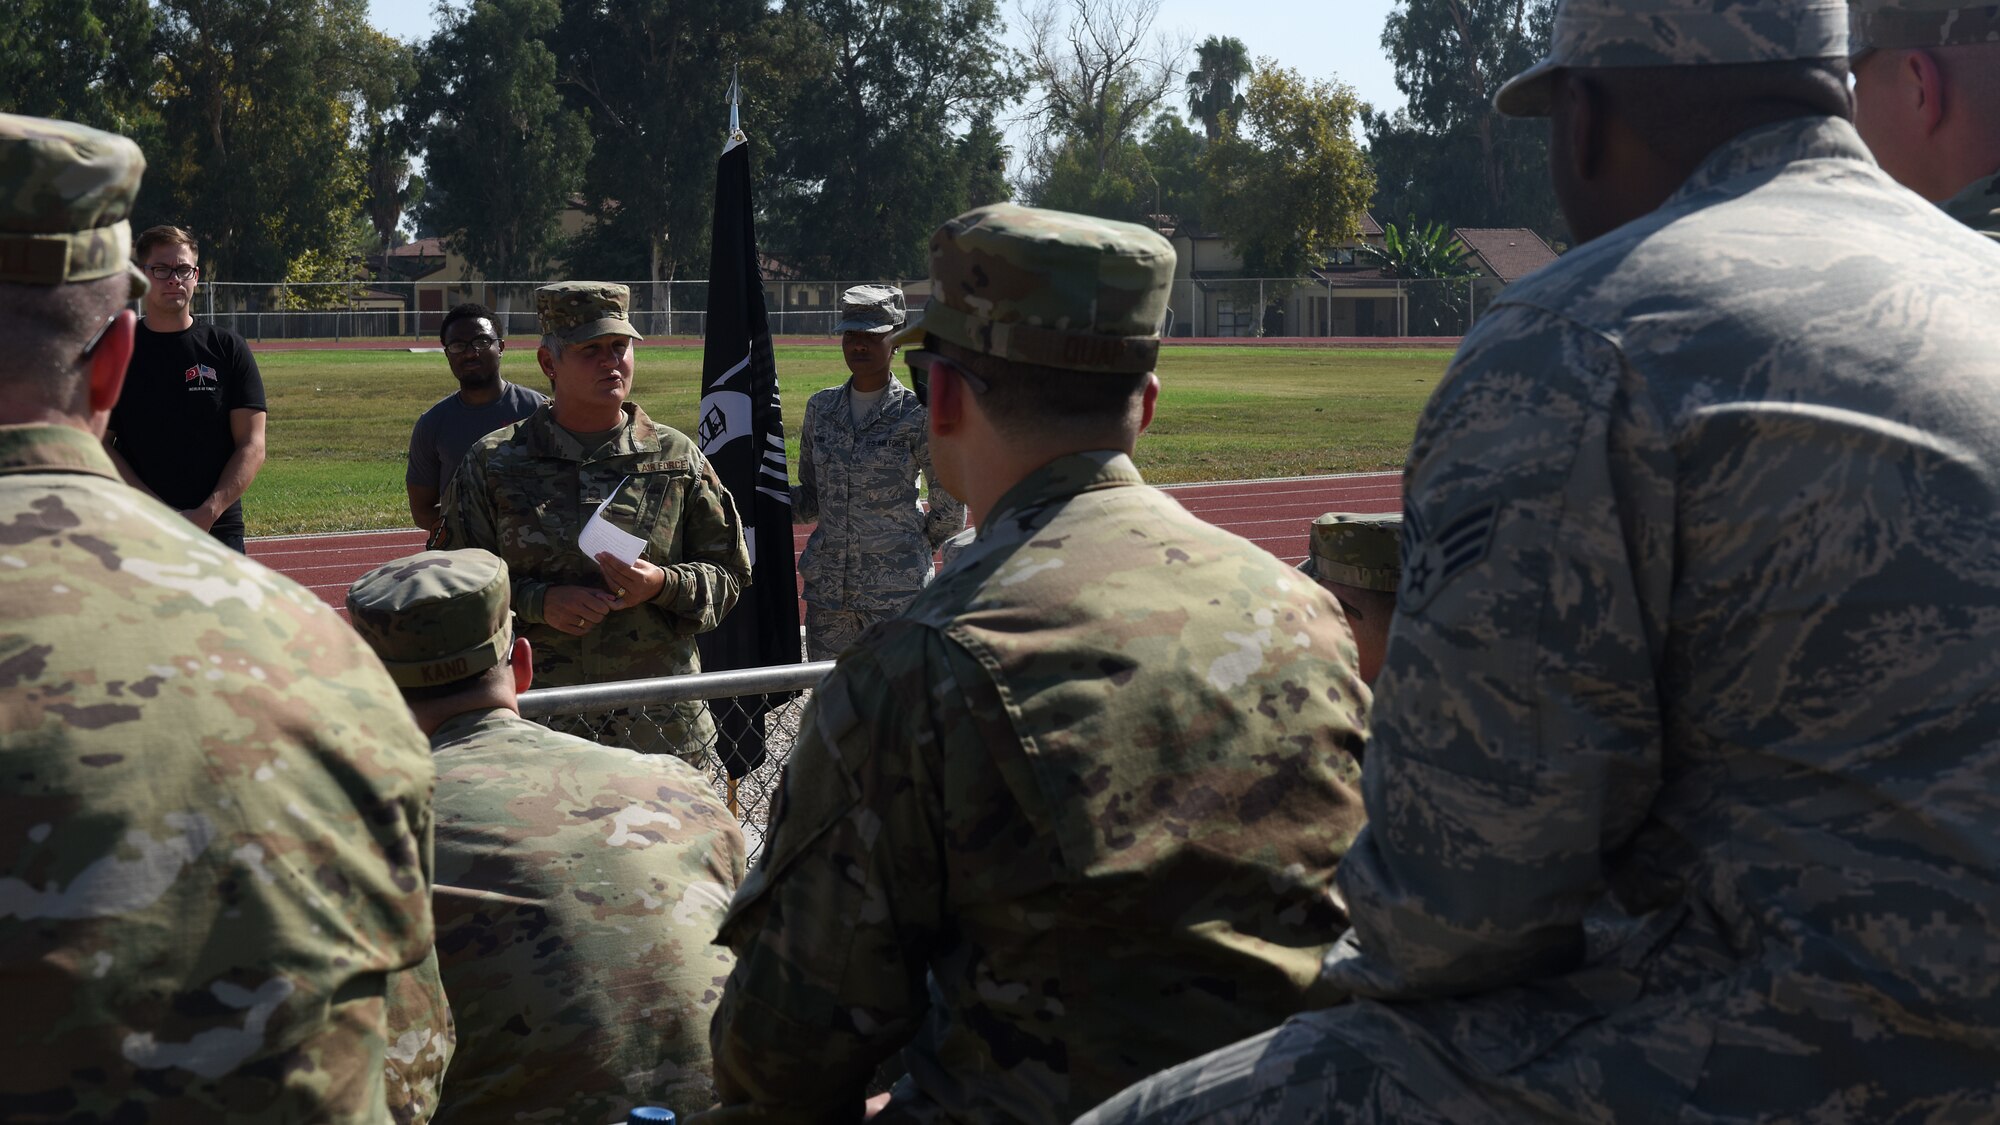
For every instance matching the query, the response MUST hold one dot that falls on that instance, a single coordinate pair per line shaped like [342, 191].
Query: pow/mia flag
[741, 429]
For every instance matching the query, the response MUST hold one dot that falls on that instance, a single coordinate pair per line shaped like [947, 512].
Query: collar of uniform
[1978, 206]
[42, 448]
[468, 723]
[1065, 476]
[892, 391]
[1768, 148]
[547, 439]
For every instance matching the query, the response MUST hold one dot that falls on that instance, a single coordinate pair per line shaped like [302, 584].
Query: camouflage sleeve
[947, 512]
[805, 494]
[468, 510]
[832, 930]
[1516, 733]
[713, 564]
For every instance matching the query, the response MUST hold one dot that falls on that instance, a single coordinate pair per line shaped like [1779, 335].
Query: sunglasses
[922, 360]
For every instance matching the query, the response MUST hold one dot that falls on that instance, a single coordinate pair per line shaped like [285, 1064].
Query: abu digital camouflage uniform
[1073, 816]
[1937, 23]
[1685, 766]
[872, 550]
[871, 553]
[218, 810]
[526, 491]
[578, 886]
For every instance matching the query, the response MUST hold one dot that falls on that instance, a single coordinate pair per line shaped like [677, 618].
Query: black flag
[740, 427]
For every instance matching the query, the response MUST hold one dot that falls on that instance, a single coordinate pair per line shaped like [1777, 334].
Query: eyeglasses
[181, 274]
[466, 347]
[90, 349]
[922, 360]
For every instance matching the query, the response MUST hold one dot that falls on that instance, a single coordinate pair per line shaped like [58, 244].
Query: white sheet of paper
[598, 535]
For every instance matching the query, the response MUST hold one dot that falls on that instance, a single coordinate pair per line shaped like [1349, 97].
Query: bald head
[1931, 114]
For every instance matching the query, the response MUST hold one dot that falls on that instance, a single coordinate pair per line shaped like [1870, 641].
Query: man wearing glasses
[189, 427]
[483, 403]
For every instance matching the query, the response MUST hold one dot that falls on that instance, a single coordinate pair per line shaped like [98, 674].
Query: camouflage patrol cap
[871, 308]
[1919, 23]
[1049, 288]
[1353, 549]
[68, 190]
[1594, 34]
[575, 311]
[434, 617]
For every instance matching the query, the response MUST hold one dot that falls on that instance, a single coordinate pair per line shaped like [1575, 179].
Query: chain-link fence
[755, 709]
[1349, 304]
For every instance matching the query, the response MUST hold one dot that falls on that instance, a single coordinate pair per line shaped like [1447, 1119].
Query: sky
[1319, 38]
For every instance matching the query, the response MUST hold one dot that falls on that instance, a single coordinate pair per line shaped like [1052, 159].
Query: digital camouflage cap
[871, 308]
[575, 311]
[435, 617]
[1592, 34]
[1049, 288]
[1920, 23]
[1356, 549]
[66, 192]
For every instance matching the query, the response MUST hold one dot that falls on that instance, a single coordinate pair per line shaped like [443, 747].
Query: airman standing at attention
[1927, 100]
[579, 886]
[861, 451]
[1074, 814]
[1684, 767]
[218, 816]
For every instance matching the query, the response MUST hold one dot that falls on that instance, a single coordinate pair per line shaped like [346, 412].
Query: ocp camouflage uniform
[1073, 815]
[578, 890]
[1685, 764]
[222, 844]
[579, 886]
[524, 494]
[218, 810]
[871, 553]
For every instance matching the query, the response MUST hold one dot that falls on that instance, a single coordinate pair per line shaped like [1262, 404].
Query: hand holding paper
[599, 536]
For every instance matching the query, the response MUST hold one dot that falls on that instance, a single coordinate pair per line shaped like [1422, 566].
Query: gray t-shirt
[448, 429]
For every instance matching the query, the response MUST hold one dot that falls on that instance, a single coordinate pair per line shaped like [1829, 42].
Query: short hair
[1684, 112]
[1365, 603]
[554, 343]
[46, 328]
[470, 310]
[164, 235]
[1024, 399]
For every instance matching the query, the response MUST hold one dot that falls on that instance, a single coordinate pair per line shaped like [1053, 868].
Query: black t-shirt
[172, 419]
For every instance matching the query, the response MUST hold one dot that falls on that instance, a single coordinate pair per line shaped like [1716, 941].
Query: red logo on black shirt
[201, 374]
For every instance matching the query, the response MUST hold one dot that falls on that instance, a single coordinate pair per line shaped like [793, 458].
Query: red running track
[1270, 513]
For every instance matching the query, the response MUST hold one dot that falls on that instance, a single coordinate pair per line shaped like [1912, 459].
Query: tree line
[287, 132]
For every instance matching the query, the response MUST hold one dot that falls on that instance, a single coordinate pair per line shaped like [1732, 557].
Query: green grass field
[340, 420]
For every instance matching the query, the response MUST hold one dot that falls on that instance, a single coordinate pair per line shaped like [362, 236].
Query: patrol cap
[434, 617]
[1356, 549]
[1049, 288]
[66, 193]
[1626, 33]
[1919, 23]
[873, 309]
[575, 311]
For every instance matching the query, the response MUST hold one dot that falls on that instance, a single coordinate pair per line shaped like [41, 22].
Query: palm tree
[1212, 86]
[1427, 254]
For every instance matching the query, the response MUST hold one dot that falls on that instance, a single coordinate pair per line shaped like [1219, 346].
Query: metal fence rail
[608, 713]
[1339, 302]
